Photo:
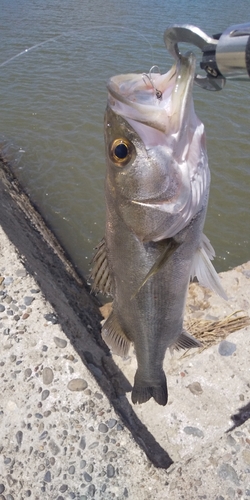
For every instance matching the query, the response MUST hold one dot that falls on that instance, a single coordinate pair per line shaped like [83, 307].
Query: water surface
[53, 98]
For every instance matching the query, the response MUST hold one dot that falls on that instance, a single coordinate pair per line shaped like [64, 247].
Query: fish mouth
[159, 101]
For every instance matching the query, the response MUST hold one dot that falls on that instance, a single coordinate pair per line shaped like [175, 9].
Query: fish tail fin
[143, 391]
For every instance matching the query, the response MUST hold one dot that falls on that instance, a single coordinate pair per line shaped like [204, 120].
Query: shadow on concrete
[68, 293]
[241, 417]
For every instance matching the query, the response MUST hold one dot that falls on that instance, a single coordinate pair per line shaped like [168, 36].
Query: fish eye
[121, 151]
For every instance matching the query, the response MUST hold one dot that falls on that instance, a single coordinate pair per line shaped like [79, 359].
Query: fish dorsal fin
[114, 336]
[203, 269]
[100, 270]
[185, 341]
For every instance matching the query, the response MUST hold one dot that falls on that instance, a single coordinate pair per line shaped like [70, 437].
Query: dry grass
[212, 332]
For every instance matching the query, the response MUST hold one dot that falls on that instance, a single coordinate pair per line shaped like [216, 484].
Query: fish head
[157, 170]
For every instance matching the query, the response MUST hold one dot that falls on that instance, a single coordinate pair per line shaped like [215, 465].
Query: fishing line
[29, 49]
[77, 35]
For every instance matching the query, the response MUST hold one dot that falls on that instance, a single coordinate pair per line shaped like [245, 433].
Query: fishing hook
[158, 93]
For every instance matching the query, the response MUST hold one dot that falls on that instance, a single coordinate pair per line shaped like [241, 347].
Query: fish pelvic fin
[143, 390]
[204, 270]
[114, 336]
[100, 270]
[170, 247]
[185, 341]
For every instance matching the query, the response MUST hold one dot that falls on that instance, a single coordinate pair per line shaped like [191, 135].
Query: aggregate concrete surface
[60, 438]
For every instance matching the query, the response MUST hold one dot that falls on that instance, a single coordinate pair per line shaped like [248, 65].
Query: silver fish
[157, 187]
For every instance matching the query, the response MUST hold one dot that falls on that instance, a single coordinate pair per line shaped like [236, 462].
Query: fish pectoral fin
[204, 270]
[114, 336]
[185, 341]
[169, 249]
[206, 245]
[100, 270]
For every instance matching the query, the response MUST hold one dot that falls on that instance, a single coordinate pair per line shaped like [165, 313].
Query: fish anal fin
[143, 390]
[114, 336]
[100, 270]
[204, 270]
[185, 341]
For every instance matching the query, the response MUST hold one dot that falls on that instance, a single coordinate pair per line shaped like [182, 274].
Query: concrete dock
[62, 438]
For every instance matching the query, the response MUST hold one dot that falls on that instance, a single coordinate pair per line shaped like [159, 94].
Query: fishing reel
[224, 56]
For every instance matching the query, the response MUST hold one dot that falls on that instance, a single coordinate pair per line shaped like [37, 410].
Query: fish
[156, 189]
